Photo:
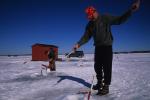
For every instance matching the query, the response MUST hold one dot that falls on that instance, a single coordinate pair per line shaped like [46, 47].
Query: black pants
[103, 64]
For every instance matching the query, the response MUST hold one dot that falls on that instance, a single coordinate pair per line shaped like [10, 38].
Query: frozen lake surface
[21, 79]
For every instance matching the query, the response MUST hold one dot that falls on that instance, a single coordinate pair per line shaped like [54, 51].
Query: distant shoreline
[131, 52]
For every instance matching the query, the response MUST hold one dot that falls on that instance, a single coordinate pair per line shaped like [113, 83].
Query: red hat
[90, 11]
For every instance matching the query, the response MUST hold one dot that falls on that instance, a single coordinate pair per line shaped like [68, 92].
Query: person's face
[95, 15]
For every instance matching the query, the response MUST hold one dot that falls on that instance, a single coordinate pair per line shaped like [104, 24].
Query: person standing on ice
[51, 56]
[99, 27]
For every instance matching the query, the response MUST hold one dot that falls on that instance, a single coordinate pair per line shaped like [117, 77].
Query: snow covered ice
[21, 79]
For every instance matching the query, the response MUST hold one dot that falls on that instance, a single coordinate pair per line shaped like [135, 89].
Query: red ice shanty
[39, 51]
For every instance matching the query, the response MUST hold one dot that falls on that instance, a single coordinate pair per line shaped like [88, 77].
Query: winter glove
[135, 6]
[76, 47]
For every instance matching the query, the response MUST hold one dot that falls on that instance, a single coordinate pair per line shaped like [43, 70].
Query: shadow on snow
[76, 79]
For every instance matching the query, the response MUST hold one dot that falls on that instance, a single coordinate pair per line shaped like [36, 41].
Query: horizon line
[115, 52]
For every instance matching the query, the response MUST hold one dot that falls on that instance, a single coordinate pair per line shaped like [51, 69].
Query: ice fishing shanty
[39, 51]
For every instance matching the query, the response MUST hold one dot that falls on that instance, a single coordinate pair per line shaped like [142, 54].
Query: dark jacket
[51, 54]
[100, 29]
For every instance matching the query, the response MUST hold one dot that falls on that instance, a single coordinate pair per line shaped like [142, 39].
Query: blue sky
[62, 23]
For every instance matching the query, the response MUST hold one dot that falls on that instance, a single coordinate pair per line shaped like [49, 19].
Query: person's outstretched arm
[86, 36]
[117, 20]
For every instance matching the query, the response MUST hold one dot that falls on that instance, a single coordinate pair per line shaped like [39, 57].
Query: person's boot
[98, 86]
[104, 90]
